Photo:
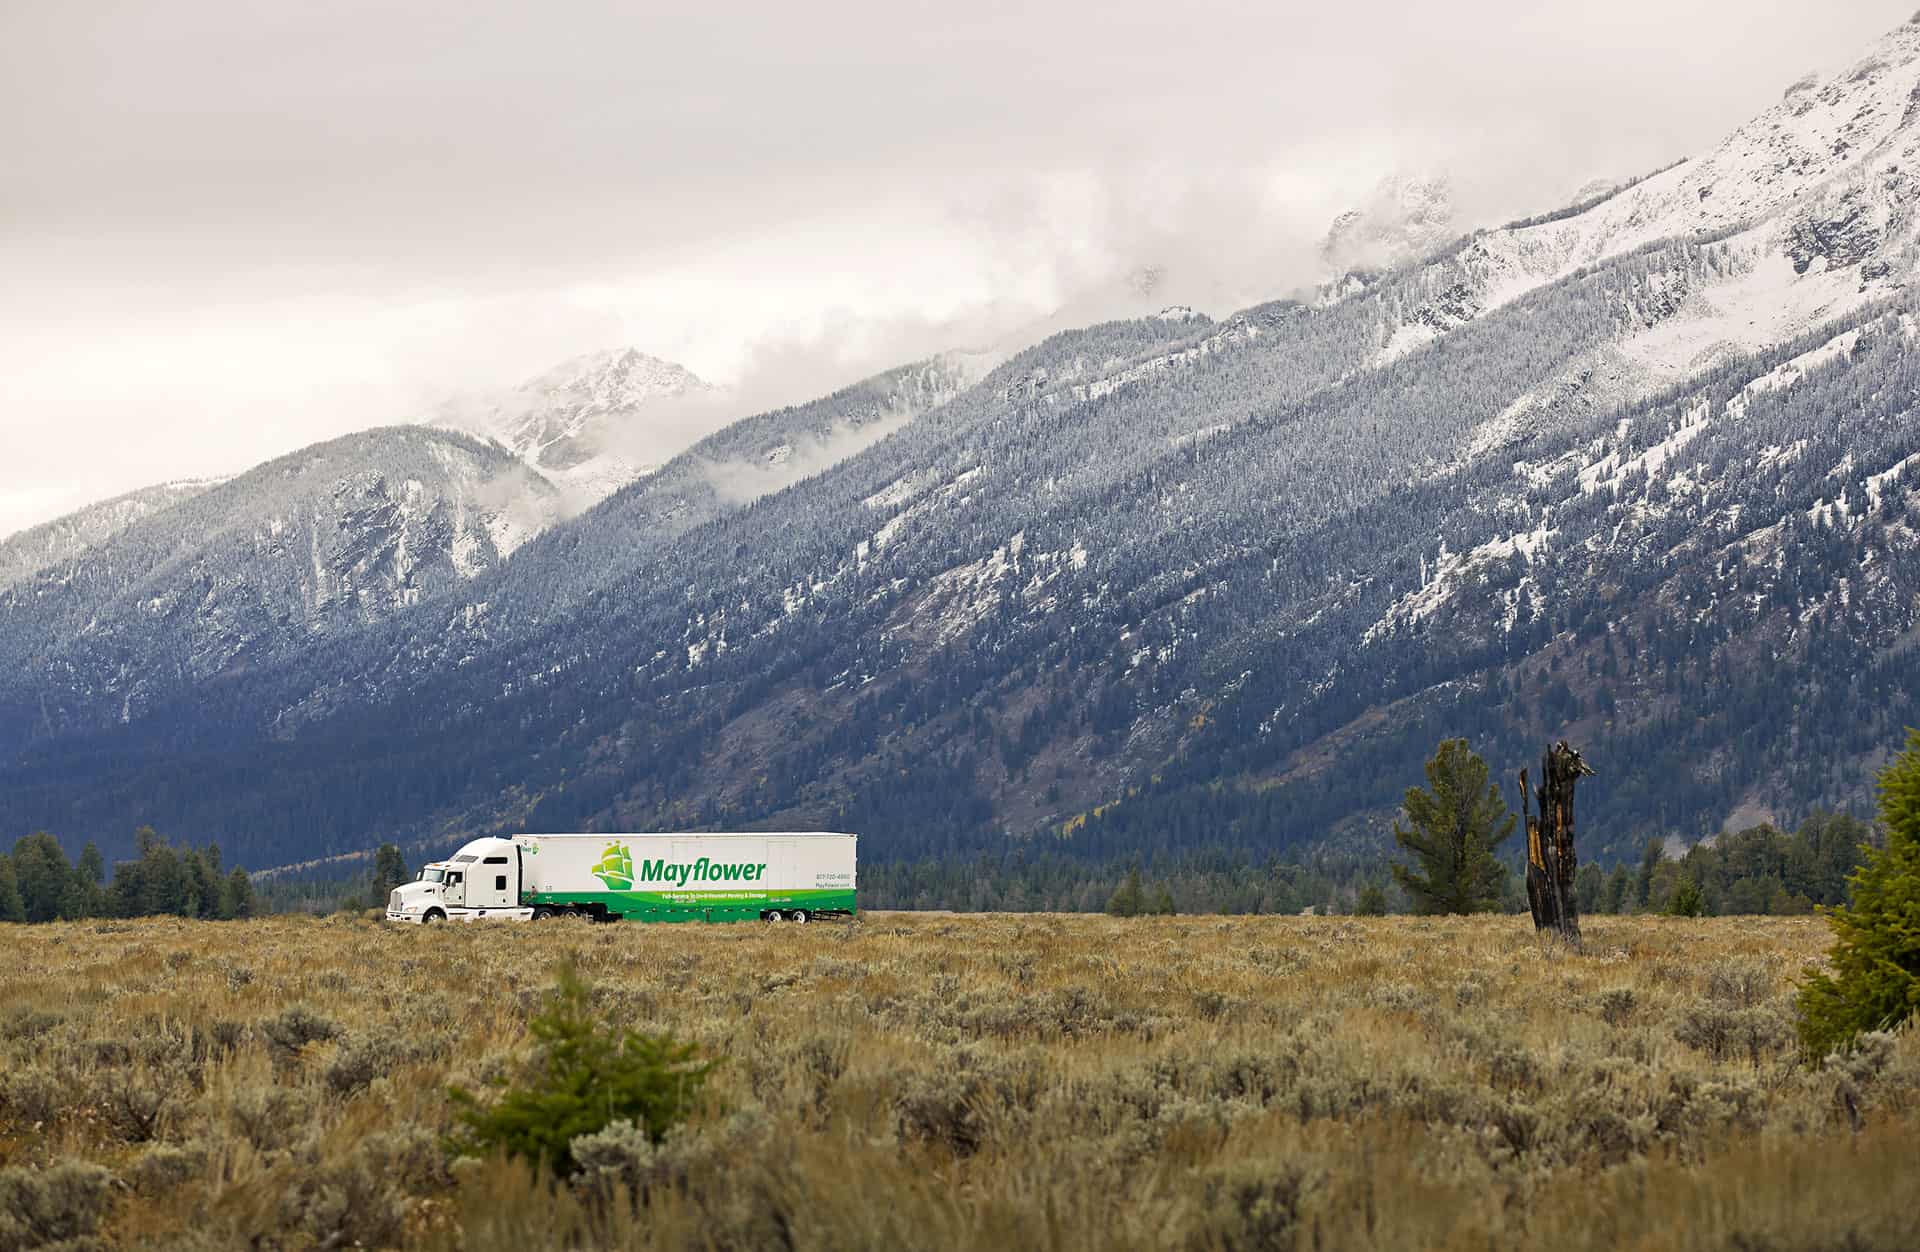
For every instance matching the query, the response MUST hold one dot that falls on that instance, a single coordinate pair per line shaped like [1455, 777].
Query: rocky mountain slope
[323, 541]
[66, 539]
[1642, 472]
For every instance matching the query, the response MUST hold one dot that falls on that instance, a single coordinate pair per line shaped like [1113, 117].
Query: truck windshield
[433, 875]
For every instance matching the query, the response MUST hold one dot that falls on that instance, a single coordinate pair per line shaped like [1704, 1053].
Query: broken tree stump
[1551, 861]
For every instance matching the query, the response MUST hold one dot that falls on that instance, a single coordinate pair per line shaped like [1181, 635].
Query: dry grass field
[938, 1081]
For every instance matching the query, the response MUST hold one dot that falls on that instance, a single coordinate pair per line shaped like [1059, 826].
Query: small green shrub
[294, 1029]
[363, 1201]
[1687, 900]
[32, 1097]
[1875, 983]
[363, 1058]
[42, 1208]
[1254, 1206]
[166, 1167]
[583, 1078]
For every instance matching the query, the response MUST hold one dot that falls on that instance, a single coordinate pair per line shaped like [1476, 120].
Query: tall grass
[997, 1082]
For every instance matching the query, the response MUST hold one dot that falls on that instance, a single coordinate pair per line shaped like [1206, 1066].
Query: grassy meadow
[1000, 1082]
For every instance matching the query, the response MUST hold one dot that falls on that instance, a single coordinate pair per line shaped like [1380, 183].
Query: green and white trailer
[773, 877]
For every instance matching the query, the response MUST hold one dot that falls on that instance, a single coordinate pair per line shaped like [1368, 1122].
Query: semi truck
[771, 877]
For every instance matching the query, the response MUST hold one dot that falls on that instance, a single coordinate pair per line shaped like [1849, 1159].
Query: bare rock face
[1842, 234]
[1404, 218]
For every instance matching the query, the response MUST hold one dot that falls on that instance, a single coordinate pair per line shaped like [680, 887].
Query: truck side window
[499, 882]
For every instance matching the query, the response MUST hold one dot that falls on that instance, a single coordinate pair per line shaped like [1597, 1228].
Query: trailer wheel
[799, 915]
[772, 915]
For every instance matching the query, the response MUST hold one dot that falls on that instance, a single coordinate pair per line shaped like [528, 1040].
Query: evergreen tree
[1686, 900]
[1650, 860]
[583, 1075]
[74, 902]
[1372, 902]
[42, 872]
[90, 872]
[1129, 899]
[1453, 827]
[1163, 903]
[389, 871]
[1590, 887]
[203, 888]
[239, 895]
[1875, 983]
[12, 908]
[1614, 899]
[92, 867]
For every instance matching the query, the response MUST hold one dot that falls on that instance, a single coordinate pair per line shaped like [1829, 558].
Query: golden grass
[996, 1082]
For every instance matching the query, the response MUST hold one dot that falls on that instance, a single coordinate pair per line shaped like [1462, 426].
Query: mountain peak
[606, 381]
[574, 423]
[1404, 217]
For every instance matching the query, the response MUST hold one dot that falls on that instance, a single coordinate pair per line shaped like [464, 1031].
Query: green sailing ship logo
[615, 868]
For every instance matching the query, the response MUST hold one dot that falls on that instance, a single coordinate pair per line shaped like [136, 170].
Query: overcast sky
[231, 228]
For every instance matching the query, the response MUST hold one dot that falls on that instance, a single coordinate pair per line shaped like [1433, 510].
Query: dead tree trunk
[1551, 861]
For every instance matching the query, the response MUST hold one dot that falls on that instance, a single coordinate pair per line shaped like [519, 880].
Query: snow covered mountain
[1811, 204]
[66, 539]
[239, 573]
[1405, 218]
[589, 424]
[1644, 472]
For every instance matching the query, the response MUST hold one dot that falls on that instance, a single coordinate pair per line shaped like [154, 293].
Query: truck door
[495, 884]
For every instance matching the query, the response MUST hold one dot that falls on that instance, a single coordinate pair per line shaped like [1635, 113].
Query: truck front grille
[393, 902]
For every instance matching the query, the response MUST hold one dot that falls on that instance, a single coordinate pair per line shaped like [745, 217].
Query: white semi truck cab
[665, 877]
[480, 881]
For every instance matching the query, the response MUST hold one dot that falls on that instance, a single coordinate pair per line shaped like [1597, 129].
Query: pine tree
[1372, 902]
[90, 872]
[239, 895]
[1453, 828]
[583, 1076]
[1614, 899]
[12, 908]
[1130, 899]
[42, 872]
[92, 867]
[1650, 860]
[1590, 887]
[389, 871]
[1686, 900]
[1875, 983]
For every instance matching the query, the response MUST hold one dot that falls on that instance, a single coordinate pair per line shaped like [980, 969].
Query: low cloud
[742, 482]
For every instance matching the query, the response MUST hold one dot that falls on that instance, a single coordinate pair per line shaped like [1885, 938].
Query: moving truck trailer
[652, 878]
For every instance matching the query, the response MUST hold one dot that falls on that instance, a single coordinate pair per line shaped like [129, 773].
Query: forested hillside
[1642, 474]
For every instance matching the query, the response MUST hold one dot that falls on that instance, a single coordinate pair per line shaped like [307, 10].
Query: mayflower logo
[615, 868]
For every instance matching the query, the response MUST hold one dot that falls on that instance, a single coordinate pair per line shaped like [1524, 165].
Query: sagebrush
[929, 1081]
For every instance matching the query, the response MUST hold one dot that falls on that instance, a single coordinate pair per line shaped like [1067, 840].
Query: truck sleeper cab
[771, 877]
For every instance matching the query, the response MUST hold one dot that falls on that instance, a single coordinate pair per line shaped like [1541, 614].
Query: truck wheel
[772, 915]
[541, 913]
[433, 915]
[799, 915]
